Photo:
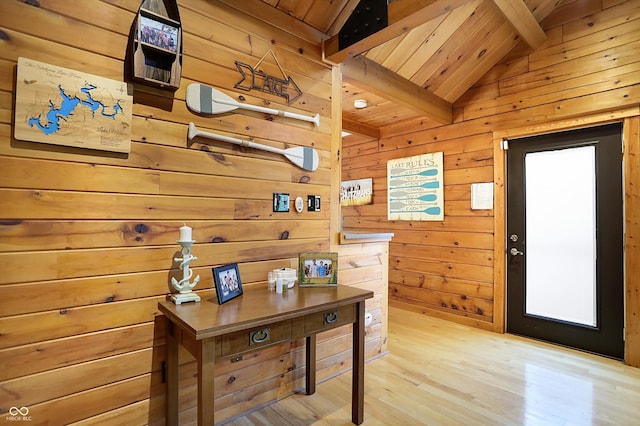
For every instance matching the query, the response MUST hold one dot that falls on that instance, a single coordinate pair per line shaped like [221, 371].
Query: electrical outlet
[368, 319]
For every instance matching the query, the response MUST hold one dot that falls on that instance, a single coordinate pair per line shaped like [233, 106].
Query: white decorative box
[290, 276]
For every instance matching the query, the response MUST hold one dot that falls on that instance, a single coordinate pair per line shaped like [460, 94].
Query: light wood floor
[441, 373]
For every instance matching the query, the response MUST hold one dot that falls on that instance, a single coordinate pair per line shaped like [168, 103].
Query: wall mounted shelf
[157, 45]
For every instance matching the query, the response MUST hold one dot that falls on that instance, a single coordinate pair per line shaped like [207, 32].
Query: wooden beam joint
[381, 81]
[521, 18]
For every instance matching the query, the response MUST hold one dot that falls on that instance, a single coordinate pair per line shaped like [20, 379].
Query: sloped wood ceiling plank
[447, 57]
[404, 15]
[566, 10]
[297, 9]
[407, 48]
[272, 16]
[379, 53]
[481, 58]
[320, 14]
[347, 10]
[379, 80]
[522, 20]
[445, 30]
[542, 8]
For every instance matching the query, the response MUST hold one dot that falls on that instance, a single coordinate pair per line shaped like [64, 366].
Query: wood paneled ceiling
[429, 55]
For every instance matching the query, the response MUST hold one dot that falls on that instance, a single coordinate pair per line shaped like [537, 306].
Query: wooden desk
[257, 319]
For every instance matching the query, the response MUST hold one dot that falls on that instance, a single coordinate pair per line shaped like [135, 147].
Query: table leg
[206, 362]
[357, 384]
[311, 364]
[172, 375]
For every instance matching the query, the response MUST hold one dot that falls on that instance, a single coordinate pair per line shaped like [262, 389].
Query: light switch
[313, 203]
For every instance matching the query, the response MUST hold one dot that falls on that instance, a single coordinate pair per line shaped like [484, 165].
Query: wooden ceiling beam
[403, 16]
[373, 77]
[521, 18]
[352, 126]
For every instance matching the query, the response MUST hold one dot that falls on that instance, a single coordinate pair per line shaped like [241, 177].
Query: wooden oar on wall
[205, 99]
[304, 157]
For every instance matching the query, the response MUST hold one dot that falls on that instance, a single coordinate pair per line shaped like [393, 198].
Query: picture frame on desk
[227, 281]
[318, 269]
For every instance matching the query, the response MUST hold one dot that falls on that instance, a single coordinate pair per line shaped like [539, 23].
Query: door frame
[630, 119]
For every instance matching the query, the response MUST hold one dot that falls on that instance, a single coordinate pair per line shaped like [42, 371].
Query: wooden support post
[206, 359]
[172, 375]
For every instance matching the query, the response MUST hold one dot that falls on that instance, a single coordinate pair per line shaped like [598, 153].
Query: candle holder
[184, 286]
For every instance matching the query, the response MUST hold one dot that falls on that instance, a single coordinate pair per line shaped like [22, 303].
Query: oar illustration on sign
[397, 183]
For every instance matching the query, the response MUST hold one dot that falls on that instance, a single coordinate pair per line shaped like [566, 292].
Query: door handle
[515, 252]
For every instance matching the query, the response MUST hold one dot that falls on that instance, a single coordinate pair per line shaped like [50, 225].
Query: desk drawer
[329, 319]
[255, 338]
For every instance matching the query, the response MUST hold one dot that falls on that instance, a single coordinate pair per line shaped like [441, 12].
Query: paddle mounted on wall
[205, 99]
[302, 156]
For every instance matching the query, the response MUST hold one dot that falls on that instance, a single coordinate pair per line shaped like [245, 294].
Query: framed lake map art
[60, 106]
[415, 188]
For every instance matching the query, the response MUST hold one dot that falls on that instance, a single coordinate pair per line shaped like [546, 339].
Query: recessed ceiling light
[360, 103]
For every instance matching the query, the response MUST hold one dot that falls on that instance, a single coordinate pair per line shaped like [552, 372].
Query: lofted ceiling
[429, 54]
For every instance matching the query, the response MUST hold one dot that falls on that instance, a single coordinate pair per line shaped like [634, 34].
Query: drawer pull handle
[330, 317]
[259, 336]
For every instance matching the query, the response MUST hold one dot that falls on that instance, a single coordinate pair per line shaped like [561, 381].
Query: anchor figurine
[184, 286]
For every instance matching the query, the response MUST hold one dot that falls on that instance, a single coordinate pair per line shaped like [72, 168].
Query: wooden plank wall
[586, 72]
[87, 238]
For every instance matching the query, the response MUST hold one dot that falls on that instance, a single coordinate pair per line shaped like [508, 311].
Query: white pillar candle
[185, 233]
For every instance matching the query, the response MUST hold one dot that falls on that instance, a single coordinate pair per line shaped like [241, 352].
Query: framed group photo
[158, 34]
[317, 269]
[227, 280]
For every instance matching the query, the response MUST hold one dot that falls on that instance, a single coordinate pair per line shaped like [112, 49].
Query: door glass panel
[560, 251]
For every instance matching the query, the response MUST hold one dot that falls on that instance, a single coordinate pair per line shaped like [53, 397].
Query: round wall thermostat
[299, 204]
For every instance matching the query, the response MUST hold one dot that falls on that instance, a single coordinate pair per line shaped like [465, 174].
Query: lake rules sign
[415, 186]
[61, 106]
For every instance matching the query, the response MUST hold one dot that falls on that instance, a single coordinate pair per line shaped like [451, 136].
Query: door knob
[514, 252]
